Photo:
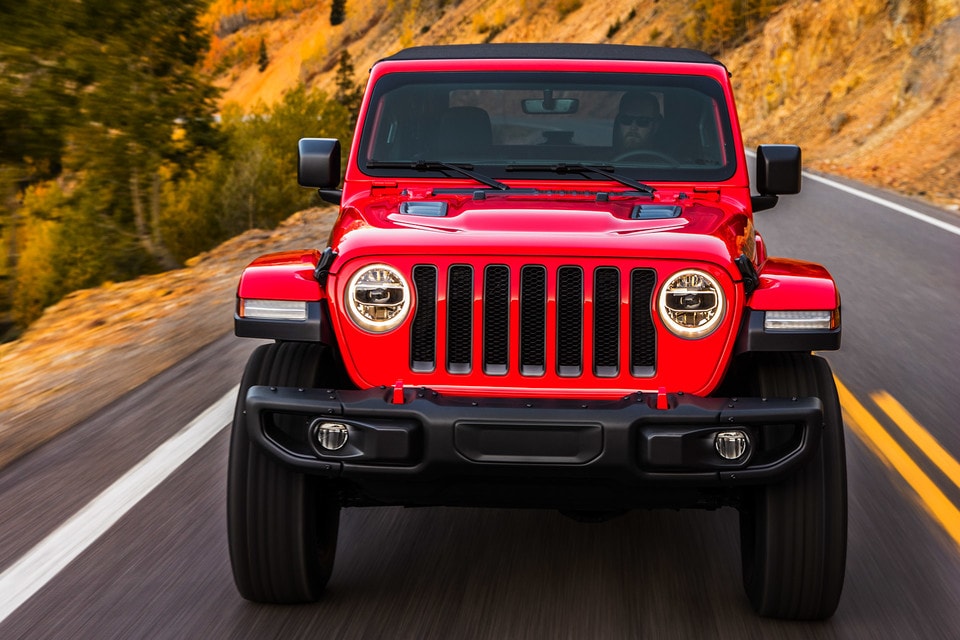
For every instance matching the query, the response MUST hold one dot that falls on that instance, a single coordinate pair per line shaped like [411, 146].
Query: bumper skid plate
[431, 437]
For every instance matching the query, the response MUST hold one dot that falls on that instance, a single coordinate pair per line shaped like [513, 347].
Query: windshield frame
[433, 85]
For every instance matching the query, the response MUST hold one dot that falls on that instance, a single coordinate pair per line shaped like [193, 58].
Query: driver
[637, 122]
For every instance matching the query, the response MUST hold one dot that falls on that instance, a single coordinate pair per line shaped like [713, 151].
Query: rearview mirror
[550, 105]
[561, 106]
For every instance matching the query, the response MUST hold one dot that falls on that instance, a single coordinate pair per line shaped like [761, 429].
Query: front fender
[288, 277]
[790, 285]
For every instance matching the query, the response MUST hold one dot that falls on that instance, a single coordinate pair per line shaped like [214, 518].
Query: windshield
[523, 125]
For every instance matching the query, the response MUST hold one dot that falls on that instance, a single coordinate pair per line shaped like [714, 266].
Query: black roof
[547, 51]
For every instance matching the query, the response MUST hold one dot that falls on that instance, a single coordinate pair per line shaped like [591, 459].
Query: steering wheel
[650, 153]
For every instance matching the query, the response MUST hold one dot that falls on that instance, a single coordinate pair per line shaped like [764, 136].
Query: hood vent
[429, 209]
[655, 211]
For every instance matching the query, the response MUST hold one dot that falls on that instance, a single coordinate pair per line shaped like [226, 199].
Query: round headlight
[378, 298]
[691, 304]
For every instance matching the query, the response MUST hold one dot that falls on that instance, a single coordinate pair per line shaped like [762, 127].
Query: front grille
[540, 334]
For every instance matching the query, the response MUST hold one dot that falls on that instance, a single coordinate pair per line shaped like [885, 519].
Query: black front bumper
[433, 449]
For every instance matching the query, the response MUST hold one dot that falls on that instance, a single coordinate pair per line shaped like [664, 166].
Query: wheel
[281, 524]
[649, 153]
[793, 535]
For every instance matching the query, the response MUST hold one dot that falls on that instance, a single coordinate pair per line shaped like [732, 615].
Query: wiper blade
[434, 165]
[562, 168]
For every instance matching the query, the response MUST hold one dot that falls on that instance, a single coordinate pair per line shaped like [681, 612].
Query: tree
[146, 101]
[348, 94]
[103, 96]
[337, 12]
[263, 59]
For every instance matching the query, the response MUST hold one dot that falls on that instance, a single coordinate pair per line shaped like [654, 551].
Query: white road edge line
[38, 566]
[946, 226]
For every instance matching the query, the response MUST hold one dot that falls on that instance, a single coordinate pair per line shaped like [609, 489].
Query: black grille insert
[459, 319]
[423, 339]
[643, 335]
[496, 319]
[569, 321]
[606, 322]
[533, 320]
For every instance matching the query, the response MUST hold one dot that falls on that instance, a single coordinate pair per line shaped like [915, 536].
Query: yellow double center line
[868, 429]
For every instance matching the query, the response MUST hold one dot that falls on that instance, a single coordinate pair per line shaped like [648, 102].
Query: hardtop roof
[548, 51]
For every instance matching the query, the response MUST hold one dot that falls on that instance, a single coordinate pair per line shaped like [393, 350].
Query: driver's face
[637, 126]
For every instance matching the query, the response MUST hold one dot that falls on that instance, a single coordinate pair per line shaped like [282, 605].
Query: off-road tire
[281, 524]
[794, 534]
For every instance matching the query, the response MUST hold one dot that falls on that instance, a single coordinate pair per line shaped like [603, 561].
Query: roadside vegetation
[114, 160]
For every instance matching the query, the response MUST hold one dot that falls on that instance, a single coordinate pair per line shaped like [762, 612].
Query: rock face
[867, 87]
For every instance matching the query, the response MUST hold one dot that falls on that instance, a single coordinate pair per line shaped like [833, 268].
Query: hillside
[869, 88]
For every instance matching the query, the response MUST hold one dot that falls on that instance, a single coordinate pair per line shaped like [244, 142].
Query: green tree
[263, 60]
[338, 12]
[348, 93]
[103, 96]
[252, 181]
[146, 101]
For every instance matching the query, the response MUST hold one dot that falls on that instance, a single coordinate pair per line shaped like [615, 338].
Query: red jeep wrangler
[544, 289]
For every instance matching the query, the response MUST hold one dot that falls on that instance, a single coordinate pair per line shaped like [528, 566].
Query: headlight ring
[691, 303]
[377, 298]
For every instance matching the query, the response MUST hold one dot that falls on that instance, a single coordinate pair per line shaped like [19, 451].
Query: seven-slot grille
[526, 337]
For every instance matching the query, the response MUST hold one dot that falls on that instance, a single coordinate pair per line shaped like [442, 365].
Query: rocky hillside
[869, 88]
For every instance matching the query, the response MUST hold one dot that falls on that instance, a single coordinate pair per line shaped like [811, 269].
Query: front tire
[794, 534]
[281, 524]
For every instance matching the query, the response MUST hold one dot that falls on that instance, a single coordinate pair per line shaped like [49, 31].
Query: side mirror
[778, 172]
[319, 166]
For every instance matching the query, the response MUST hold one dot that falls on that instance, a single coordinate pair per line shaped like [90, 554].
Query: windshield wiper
[434, 165]
[562, 168]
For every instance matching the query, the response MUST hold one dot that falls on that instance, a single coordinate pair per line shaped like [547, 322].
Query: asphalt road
[162, 570]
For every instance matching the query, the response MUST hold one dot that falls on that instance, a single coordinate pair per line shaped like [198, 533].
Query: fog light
[731, 445]
[329, 435]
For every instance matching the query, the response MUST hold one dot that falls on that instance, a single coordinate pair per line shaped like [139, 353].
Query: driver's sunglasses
[641, 121]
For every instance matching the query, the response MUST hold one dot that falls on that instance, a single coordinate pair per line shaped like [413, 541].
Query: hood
[672, 225]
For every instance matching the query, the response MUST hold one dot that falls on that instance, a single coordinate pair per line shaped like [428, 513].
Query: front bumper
[434, 450]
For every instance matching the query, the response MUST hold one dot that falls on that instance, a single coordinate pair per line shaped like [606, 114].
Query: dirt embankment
[97, 344]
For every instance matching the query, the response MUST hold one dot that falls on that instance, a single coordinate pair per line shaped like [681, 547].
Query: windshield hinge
[751, 280]
[323, 266]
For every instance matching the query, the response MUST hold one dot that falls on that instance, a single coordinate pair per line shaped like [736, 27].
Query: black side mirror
[778, 173]
[319, 166]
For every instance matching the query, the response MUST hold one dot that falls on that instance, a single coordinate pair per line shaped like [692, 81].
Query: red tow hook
[398, 392]
[662, 398]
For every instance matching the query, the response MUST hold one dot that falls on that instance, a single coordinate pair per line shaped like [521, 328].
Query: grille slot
[569, 321]
[643, 335]
[423, 343]
[496, 320]
[533, 320]
[606, 322]
[618, 338]
[459, 319]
